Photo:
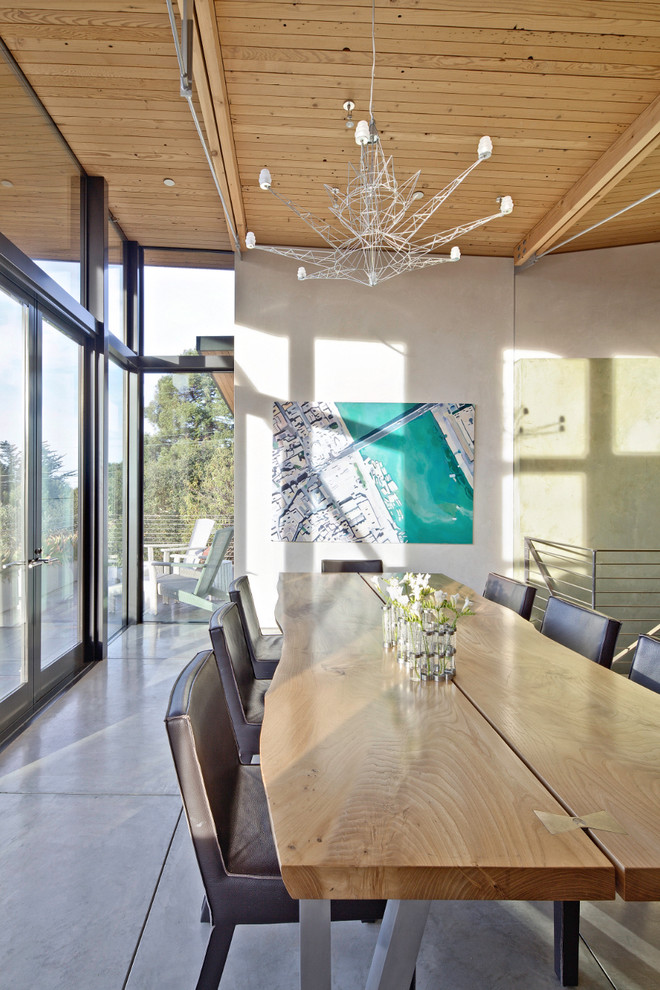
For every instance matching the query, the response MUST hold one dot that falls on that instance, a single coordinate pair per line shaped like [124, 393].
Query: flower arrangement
[421, 622]
[413, 595]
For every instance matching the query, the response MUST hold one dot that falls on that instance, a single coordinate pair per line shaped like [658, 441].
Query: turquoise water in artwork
[437, 500]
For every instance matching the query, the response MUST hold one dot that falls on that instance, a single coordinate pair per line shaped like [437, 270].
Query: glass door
[55, 561]
[14, 317]
[41, 638]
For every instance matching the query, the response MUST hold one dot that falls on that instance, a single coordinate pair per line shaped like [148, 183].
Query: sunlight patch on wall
[361, 370]
[636, 405]
[553, 506]
[552, 408]
[258, 439]
[264, 361]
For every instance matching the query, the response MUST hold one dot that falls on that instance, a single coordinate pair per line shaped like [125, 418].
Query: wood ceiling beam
[630, 148]
[217, 118]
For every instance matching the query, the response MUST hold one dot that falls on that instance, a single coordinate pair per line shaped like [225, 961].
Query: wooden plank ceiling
[569, 93]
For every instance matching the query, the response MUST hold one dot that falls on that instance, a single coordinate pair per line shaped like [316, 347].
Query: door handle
[38, 561]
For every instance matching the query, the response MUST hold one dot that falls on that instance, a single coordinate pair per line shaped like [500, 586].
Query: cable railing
[167, 529]
[624, 584]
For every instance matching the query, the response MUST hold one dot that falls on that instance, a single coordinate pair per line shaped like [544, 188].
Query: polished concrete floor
[100, 890]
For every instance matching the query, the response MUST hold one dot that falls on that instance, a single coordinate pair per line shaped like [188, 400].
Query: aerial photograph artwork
[373, 472]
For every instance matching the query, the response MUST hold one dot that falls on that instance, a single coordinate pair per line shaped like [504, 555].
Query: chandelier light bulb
[485, 148]
[302, 273]
[455, 253]
[362, 133]
[265, 179]
[506, 205]
[250, 240]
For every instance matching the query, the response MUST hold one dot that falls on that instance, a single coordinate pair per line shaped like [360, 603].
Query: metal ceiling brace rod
[625, 209]
[184, 51]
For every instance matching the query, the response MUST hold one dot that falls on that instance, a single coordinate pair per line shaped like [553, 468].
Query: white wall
[591, 303]
[440, 335]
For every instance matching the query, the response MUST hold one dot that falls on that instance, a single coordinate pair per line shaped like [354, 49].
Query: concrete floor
[100, 888]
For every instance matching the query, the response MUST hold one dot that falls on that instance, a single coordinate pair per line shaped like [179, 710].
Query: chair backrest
[198, 540]
[339, 566]
[206, 761]
[219, 546]
[645, 667]
[241, 593]
[233, 659]
[589, 633]
[516, 595]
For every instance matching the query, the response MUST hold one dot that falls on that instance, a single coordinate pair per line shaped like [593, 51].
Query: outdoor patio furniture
[204, 584]
[176, 553]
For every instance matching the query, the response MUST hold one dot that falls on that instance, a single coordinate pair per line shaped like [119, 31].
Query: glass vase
[387, 614]
[449, 652]
[402, 639]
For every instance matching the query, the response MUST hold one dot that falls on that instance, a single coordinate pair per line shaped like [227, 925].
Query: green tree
[11, 501]
[188, 451]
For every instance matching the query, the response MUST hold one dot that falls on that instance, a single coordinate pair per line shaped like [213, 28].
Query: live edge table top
[382, 787]
[591, 736]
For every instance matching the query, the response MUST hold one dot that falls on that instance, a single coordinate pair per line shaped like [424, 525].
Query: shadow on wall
[587, 451]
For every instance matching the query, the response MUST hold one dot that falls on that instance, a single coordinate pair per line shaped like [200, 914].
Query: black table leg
[567, 941]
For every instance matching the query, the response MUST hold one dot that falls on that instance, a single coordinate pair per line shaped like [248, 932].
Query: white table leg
[315, 970]
[398, 943]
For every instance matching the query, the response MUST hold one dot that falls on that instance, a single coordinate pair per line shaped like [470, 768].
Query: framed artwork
[373, 472]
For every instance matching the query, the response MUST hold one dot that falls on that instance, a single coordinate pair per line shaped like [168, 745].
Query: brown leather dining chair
[645, 668]
[342, 566]
[590, 633]
[227, 813]
[265, 650]
[516, 595]
[244, 693]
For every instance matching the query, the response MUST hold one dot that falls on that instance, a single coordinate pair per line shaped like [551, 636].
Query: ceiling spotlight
[418, 194]
[7, 183]
[169, 182]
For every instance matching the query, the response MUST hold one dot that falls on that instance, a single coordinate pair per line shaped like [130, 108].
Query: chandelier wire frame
[375, 239]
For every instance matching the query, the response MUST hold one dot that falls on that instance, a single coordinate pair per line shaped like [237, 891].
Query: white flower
[440, 597]
[466, 605]
[419, 583]
[454, 600]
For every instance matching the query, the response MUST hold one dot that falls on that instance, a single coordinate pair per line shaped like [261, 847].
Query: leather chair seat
[254, 701]
[244, 693]
[249, 846]
[227, 815]
[268, 646]
[265, 650]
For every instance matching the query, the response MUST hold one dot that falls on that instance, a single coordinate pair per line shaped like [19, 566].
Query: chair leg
[205, 916]
[215, 958]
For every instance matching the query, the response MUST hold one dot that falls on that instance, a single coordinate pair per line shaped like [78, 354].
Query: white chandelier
[376, 239]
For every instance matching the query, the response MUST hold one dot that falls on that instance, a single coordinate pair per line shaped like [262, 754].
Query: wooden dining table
[382, 787]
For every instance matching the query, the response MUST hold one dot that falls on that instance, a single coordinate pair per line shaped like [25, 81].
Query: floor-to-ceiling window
[13, 357]
[58, 522]
[188, 436]
[117, 515]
